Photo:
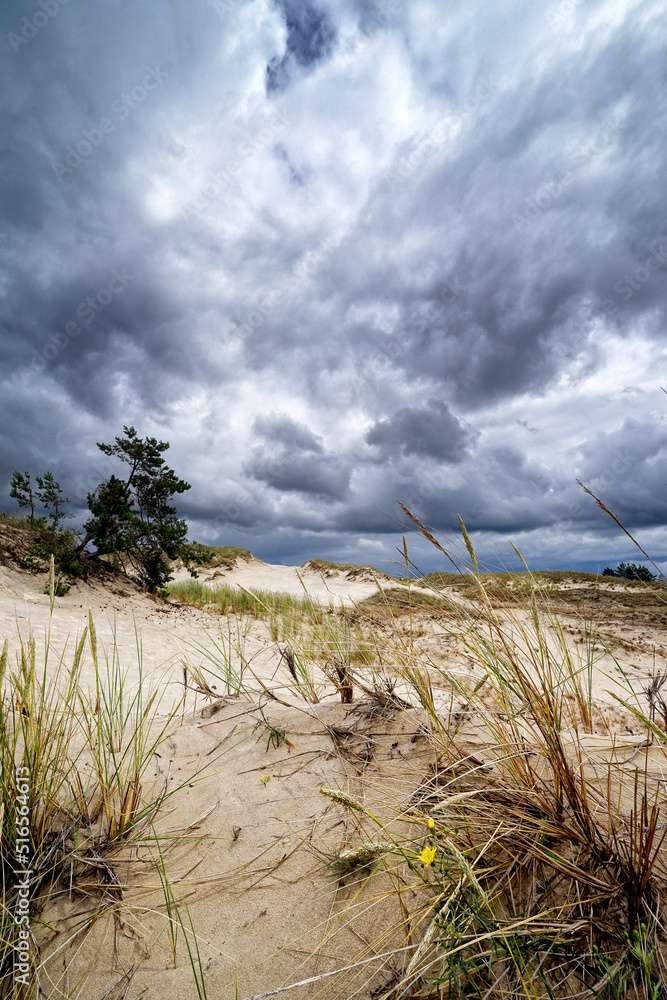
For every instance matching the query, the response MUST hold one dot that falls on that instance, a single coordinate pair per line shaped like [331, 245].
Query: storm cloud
[343, 253]
[429, 430]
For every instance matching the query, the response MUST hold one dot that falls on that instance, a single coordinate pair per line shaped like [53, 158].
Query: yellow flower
[430, 824]
[427, 855]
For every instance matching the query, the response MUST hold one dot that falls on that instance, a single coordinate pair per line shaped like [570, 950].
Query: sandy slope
[170, 635]
[262, 903]
[166, 633]
[253, 574]
[265, 908]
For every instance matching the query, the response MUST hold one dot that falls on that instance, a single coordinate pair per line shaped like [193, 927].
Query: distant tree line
[630, 571]
[133, 520]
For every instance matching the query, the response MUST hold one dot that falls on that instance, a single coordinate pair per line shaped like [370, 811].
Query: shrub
[21, 490]
[63, 546]
[49, 494]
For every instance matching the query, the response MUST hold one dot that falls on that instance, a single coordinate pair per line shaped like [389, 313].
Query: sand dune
[253, 872]
[336, 588]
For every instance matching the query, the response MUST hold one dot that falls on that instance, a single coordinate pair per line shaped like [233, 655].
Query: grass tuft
[543, 869]
[77, 788]
[228, 600]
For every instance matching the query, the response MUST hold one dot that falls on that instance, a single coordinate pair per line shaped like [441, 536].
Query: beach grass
[525, 862]
[78, 790]
[226, 600]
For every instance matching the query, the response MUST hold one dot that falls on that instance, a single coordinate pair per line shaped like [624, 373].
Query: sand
[253, 574]
[266, 909]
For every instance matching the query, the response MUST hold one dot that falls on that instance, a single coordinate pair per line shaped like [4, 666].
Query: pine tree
[134, 517]
[21, 491]
[50, 495]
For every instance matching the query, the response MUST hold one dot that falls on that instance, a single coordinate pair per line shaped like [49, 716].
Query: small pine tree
[50, 495]
[134, 517]
[21, 491]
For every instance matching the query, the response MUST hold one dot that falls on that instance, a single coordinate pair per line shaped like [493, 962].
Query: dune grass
[392, 601]
[221, 556]
[77, 792]
[228, 600]
[353, 571]
[523, 864]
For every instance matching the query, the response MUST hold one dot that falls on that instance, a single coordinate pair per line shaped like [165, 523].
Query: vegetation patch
[78, 793]
[350, 570]
[219, 556]
[226, 599]
[524, 863]
[402, 601]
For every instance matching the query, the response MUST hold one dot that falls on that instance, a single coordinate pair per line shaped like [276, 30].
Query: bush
[48, 493]
[63, 546]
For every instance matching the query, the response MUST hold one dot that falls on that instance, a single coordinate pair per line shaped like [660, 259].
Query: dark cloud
[430, 430]
[296, 462]
[421, 256]
[286, 431]
[628, 466]
[311, 37]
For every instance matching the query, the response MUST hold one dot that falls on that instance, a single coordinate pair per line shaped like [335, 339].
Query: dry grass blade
[539, 874]
[603, 507]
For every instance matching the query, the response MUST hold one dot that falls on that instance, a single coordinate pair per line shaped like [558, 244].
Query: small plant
[59, 586]
[226, 661]
[301, 673]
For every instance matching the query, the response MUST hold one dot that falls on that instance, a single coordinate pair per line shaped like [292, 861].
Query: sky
[341, 254]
